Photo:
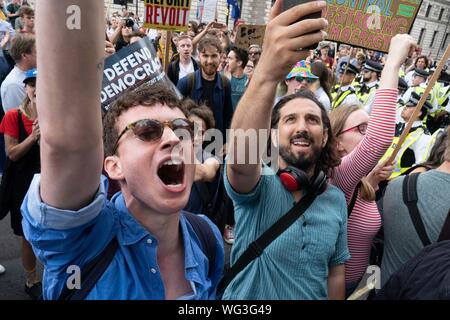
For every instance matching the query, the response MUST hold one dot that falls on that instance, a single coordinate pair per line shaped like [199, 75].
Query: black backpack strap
[190, 84]
[91, 273]
[22, 132]
[256, 248]
[410, 199]
[225, 83]
[351, 205]
[445, 232]
[206, 236]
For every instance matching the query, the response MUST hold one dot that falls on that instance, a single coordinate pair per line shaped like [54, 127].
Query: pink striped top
[365, 219]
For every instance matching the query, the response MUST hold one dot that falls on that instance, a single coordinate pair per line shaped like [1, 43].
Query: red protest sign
[167, 14]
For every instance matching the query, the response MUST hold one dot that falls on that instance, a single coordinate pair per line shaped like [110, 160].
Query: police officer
[414, 149]
[366, 91]
[419, 77]
[346, 93]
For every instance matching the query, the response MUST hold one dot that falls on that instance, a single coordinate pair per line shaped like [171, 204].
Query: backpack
[92, 272]
[426, 275]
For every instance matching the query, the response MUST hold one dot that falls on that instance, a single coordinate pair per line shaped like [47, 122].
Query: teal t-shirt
[295, 265]
[238, 86]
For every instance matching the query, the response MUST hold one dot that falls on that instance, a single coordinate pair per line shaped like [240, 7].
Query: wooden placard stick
[422, 100]
[167, 46]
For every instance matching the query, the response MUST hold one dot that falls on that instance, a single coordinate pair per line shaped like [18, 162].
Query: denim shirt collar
[198, 80]
[131, 232]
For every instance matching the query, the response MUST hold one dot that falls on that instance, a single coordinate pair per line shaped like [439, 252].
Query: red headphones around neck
[294, 179]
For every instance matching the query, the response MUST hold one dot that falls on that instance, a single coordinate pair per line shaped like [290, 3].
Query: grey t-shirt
[13, 90]
[401, 241]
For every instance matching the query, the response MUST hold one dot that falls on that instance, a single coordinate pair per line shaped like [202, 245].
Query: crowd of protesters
[338, 112]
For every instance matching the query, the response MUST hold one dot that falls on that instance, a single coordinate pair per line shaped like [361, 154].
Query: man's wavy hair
[329, 157]
[147, 96]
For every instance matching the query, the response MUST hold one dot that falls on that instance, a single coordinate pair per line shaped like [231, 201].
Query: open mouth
[171, 172]
[301, 142]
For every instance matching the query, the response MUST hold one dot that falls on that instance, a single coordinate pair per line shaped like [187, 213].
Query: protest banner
[167, 14]
[209, 11]
[129, 68]
[248, 34]
[369, 24]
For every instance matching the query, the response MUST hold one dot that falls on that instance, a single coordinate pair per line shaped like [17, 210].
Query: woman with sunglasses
[21, 131]
[300, 77]
[362, 141]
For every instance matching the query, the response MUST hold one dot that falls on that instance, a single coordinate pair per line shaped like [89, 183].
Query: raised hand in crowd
[36, 133]
[109, 49]
[381, 172]
[283, 42]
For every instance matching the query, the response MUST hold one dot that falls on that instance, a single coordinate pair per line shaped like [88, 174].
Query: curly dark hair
[146, 96]
[202, 111]
[329, 157]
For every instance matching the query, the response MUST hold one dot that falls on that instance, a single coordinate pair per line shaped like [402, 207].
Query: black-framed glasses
[151, 130]
[362, 128]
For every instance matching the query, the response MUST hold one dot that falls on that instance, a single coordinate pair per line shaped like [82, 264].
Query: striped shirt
[365, 220]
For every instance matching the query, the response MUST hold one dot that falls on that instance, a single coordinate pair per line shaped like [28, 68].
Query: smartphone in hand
[288, 4]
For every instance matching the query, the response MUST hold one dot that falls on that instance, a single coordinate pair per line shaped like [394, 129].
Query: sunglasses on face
[151, 130]
[253, 53]
[362, 128]
[301, 79]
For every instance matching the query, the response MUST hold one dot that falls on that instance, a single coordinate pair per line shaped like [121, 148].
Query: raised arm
[68, 99]
[380, 131]
[280, 52]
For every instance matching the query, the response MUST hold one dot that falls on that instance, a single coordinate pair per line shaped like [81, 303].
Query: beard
[210, 69]
[305, 160]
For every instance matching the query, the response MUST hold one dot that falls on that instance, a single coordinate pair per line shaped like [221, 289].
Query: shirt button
[304, 224]
[153, 270]
[303, 247]
[149, 241]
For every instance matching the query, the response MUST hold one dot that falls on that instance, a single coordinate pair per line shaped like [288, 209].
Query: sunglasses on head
[362, 128]
[151, 130]
[309, 80]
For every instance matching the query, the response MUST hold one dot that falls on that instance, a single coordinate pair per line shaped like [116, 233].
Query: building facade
[432, 27]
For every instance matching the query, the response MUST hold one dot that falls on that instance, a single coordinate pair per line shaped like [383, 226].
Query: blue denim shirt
[63, 238]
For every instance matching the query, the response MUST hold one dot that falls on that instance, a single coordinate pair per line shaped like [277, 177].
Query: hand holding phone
[288, 4]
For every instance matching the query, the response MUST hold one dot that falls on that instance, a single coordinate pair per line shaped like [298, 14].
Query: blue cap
[30, 75]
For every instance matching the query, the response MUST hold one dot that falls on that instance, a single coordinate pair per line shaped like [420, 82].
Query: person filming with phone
[305, 261]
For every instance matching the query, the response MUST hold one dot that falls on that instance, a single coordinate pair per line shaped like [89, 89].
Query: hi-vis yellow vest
[433, 140]
[341, 97]
[409, 141]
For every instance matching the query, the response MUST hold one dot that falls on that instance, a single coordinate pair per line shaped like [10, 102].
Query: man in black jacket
[185, 64]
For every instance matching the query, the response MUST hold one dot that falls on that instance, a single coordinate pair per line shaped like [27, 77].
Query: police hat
[373, 66]
[351, 68]
[421, 73]
[402, 84]
[414, 100]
